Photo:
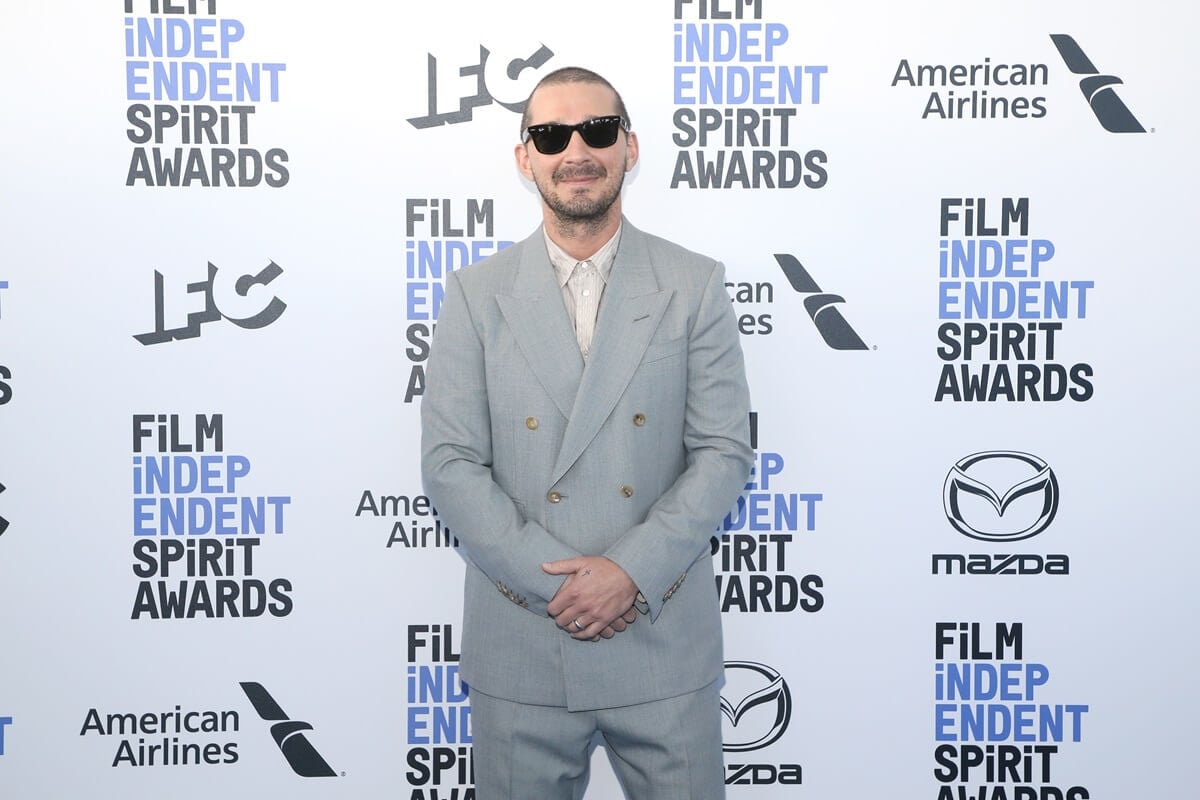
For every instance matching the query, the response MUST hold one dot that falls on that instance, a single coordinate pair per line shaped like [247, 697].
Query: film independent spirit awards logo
[1001, 496]
[757, 705]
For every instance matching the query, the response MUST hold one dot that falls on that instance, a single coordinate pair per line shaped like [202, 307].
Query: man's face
[580, 184]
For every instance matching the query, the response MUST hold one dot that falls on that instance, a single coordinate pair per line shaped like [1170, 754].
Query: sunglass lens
[600, 132]
[550, 139]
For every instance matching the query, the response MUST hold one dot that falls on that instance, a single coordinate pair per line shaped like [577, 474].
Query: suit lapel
[630, 312]
[538, 319]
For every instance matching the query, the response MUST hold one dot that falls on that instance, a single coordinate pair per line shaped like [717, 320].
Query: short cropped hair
[572, 75]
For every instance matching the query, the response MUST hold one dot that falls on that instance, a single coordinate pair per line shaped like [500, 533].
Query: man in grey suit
[584, 429]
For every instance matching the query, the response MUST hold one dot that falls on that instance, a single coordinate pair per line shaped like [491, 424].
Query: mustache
[566, 173]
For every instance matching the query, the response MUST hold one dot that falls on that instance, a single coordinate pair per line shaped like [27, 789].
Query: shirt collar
[564, 264]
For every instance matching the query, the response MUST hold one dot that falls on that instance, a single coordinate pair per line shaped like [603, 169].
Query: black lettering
[420, 336]
[813, 600]
[416, 383]
[1082, 391]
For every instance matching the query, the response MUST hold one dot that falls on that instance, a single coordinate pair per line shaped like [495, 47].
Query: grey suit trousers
[661, 750]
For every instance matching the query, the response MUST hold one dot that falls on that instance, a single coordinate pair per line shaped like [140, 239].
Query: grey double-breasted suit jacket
[530, 454]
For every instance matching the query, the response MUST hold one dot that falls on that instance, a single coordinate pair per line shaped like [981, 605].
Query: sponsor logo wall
[956, 241]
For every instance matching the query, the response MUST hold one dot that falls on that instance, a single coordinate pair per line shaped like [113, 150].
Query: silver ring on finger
[577, 624]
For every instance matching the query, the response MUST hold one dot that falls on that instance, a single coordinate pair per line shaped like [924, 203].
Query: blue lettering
[134, 82]
[419, 296]
[943, 722]
[1022, 721]
[181, 474]
[190, 81]
[763, 511]
[435, 258]
[171, 511]
[1012, 257]
[760, 511]
[200, 516]
[722, 41]
[143, 513]
[990, 267]
[226, 509]
[1043, 250]
[984, 681]
[175, 38]
[989, 258]
[683, 86]
[995, 722]
[1005, 299]
[417, 724]
[1081, 287]
[811, 500]
[768, 464]
[735, 84]
[439, 684]
[947, 301]
[196, 516]
[204, 36]
[451, 724]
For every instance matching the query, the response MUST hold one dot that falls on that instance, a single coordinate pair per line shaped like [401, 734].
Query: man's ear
[522, 155]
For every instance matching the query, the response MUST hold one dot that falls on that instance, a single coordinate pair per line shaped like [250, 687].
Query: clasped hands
[595, 601]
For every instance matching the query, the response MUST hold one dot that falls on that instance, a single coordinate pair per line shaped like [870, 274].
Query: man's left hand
[596, 592]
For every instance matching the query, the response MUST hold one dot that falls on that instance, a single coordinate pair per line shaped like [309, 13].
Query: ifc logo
[1000, 496]
[756, 705]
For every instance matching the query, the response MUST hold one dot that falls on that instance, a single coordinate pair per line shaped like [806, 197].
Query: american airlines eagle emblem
[288, 733]
[1001, 496]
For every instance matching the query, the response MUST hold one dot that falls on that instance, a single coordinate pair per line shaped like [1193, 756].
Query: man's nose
[577, 147]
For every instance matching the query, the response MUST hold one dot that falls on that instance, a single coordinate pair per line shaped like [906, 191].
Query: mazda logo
[1001, 496]
[756, 704]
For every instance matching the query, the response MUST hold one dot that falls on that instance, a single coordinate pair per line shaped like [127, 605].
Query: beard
[577, 210]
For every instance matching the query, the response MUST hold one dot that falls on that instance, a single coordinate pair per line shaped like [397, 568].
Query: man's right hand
[619, 624]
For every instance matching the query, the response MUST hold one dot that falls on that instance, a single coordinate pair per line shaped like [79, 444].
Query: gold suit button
[554, 497]
[639, 419]
[531, 423]
[627, 491]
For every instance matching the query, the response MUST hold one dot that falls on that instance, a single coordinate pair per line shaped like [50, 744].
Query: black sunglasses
[553, 137]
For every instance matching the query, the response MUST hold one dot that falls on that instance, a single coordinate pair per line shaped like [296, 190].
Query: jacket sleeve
[456, 465]
[657, 552]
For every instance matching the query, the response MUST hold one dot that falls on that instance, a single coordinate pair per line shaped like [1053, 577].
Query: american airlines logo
[303, 758]
[3, 521]
[821, 306]
[1112, 112]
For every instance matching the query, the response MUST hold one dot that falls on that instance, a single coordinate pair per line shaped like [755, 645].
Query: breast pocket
[660, 381]
[657, 351]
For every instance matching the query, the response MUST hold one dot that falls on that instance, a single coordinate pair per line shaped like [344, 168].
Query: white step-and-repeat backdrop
[959, 239]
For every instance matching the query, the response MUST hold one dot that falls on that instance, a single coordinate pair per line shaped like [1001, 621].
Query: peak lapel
[630, 312]
[539, 322]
